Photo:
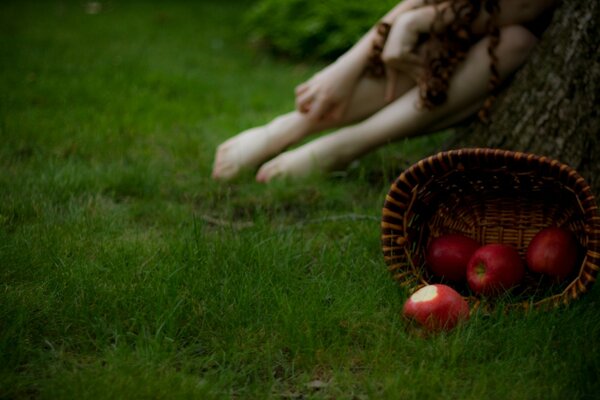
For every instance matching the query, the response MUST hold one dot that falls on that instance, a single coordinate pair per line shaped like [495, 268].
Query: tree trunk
[551, 106]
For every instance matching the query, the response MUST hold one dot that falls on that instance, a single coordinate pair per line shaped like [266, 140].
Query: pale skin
[370, 112]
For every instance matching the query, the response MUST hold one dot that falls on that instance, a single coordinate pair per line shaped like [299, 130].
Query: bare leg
[254, 146]
[402, 118]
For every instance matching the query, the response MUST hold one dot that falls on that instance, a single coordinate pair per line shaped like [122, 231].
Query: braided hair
[446, 48]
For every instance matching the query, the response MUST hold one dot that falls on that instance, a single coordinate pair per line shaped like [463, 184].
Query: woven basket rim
[402, 193]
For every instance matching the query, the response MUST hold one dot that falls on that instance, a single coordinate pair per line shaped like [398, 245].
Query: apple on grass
[494, 268]
[553, 252]
[436, 307]
[448, 255]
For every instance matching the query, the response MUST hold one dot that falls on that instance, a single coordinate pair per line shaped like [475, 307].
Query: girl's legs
[402, 118]
[254, 146]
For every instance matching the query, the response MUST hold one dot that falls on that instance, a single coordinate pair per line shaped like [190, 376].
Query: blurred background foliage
[312, 29]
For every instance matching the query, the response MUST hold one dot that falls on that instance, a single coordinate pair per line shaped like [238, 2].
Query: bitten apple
[436, 307]
[494, 268]
[553, 251]
[448, 255]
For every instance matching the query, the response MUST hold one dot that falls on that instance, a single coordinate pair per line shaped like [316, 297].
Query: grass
[126, 272]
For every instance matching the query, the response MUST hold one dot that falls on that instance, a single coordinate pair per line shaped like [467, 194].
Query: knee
[516, 42]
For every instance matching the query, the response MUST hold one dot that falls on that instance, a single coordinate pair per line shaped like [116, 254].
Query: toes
[267, 172]
[262, 175]
[224, 172]
[220, 154]
[224, 168]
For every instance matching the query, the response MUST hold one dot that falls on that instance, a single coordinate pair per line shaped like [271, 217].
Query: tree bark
[551, 107]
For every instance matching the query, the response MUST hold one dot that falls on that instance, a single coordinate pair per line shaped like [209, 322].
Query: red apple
[448, 255]
[494, 268]
[436, 307]
[553, 251]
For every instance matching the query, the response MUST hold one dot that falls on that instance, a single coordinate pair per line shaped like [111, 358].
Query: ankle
[287, 129]
[340, 148]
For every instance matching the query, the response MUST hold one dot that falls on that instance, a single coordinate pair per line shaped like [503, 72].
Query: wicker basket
[493, 196]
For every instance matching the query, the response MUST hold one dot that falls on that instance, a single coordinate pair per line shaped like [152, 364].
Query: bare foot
[320, 155]
[253, 146]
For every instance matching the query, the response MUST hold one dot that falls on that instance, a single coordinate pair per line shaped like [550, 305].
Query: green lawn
[126, 272]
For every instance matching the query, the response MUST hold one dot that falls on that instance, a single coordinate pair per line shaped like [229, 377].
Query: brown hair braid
[449, 47]
[445, 49]
[375, 65]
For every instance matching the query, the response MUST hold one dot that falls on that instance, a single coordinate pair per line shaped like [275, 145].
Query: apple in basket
[436, 307]
[494, 268]
[447, 256]
[553, 251]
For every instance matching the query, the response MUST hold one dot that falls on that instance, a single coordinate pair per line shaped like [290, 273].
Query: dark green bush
[313, 28]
